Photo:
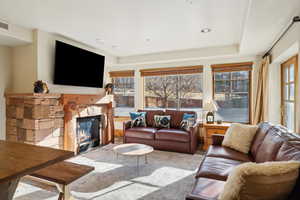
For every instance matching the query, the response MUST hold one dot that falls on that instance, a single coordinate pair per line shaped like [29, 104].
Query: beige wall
[36, 62]
[24, 69]
[46, 56]
[274, 94]
[5, 77]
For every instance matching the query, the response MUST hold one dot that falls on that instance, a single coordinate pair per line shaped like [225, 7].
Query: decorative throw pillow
[138, 119]
[188, 120]
[239, 137]
[269, 180]
[162, 121]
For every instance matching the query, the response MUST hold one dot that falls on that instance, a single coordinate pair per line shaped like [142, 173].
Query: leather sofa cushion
[150, 116]
[290, 150]
[141, 132]
[167, 145]
[271, 144]
[259, 137]
[172, 135]
[176, 117]
[225, 152]
[217, 168]
[205, 188]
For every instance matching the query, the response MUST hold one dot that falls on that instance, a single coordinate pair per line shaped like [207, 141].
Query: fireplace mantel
[83, 105]
[49, 119]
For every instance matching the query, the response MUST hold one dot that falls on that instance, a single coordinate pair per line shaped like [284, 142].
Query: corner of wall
[5, 84]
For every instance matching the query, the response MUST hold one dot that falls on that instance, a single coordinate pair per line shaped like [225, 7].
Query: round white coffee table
[134, 149]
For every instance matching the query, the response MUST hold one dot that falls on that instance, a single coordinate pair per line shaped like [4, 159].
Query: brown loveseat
[172, 139]
[271, 143]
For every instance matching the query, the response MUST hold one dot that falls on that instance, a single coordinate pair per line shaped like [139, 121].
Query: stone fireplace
[89, 131]
[73, 122]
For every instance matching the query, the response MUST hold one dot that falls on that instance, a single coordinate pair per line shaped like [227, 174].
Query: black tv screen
[78, 67]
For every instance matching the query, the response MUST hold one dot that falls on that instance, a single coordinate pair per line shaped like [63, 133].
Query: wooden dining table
[19, 159]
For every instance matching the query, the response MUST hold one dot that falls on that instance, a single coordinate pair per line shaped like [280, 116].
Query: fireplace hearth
[88, 132]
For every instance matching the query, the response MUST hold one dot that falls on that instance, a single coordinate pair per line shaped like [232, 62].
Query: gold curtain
[260, 112]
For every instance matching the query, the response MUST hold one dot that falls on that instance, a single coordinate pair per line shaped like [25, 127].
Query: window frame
[123, 74]
[235, 67]
[169, 71]
[287, 63]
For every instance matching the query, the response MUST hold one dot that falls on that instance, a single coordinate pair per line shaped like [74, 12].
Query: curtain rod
[295, 19]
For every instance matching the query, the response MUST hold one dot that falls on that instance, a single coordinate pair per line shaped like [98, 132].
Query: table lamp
[210, 106]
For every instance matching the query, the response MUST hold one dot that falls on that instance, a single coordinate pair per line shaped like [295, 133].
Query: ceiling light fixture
[100, 41]
[205, 30]
[189, 1]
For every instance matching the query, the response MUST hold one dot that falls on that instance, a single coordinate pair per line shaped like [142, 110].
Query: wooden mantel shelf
[33, 95]
[86, 99]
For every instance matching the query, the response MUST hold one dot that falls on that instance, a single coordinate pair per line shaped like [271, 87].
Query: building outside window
[232, 91]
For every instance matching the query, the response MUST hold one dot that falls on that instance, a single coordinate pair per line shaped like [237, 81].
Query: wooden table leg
[64, 192]
[61, 196]
[8, 189]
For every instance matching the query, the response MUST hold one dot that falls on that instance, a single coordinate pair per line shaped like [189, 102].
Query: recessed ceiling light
[100, 41]
[205, 30]
[189, 1]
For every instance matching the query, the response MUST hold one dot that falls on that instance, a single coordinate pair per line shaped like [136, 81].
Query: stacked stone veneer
[35, 119]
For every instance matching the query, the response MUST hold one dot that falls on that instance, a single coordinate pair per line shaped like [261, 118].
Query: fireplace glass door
[88, 132]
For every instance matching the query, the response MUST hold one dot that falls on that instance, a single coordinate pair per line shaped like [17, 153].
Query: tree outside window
[181, 92]
[124, 95]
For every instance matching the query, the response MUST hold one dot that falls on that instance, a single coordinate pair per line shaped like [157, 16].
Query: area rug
[167, 176]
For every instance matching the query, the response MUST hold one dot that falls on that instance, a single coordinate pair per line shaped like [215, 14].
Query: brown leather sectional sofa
[271, 143]
[172, 139]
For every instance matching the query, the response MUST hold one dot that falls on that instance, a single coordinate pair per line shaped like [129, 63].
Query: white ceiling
[125, 25]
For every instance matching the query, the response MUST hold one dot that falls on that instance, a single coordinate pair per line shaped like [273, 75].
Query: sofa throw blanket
[269, 180]
[138, 119]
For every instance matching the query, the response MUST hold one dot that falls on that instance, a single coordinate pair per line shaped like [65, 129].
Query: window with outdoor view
[232, 91]
[173, 90]
[123, 92]
[289, 78]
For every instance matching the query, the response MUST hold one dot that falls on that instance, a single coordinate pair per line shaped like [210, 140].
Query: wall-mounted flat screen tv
[78, 67]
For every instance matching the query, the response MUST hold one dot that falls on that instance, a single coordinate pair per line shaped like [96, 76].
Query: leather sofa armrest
[206, 189]
[126, 125]
[217, 139]
[195, 197]
[193, 131]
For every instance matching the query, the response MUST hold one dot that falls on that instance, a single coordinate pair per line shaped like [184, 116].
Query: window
[232, 91]
[123, 92]
[288, 87]
[174, 89]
